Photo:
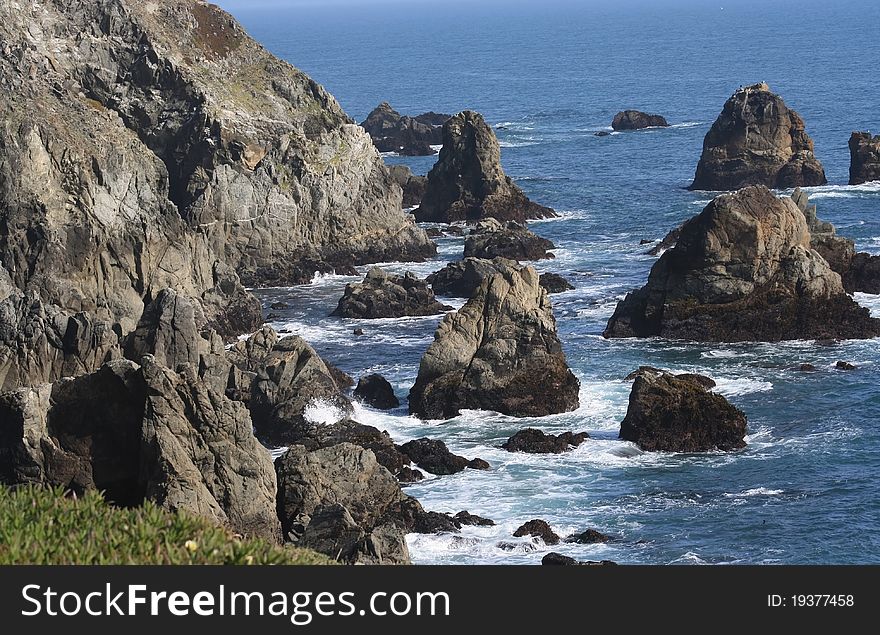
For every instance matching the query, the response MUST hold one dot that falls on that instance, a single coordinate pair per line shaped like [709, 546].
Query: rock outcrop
[757, 140]
[468, 182]
[499, 352]
[864, 153]
[492, 239]
[677, 414]
[155, 145]
[589, 537]
[413, 186]
[637, 120]
[376, 391]
[382, 295]
[743, 270]
[535, 441]
[462, 278]
[408, 136]
[554, 283]
[433, 456]
[142, 433]
[337, 500]
[538, 529]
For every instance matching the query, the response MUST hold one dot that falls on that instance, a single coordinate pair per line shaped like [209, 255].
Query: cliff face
[150, 144]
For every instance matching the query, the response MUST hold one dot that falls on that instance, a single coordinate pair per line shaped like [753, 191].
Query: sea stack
[499, 352]
[743, 270]
[637, 120]
[864, 153]
[468, 182]
[757, 140]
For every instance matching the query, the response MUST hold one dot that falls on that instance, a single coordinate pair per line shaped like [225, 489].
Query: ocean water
[548, 76]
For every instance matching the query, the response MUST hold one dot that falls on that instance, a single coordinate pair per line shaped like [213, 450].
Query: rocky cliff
[153, 144]
[757, 140]
[743, 270]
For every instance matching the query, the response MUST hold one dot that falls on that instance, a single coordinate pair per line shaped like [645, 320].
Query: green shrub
[46, 526]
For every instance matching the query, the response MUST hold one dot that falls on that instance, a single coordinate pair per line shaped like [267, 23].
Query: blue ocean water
[548, 76]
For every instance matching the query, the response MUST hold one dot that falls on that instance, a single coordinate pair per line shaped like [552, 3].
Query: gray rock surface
[462, 278]
[383, 295]
[636, 120]
[743, 270]
[468, 183]
[499, 352]
[757, 140]
[493, 239]
[413, 185]
[407, 136]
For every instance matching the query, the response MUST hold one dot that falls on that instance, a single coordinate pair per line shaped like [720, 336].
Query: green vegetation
[46, 526]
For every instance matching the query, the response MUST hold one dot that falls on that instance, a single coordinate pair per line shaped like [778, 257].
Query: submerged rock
[864, 158]
[468, 182]
[382, 295]
[374, 390]
[466, 518]
[554, 283]
[636, 120]
[675, 414]
[492, 239]
[537, 442]
[743, 270]
[558, 559]
[539, 529]
[589, 537]
[408, 136]
[499, 352]
[433, 456]
[757, 140]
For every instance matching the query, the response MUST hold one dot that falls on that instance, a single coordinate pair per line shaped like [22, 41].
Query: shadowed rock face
[636, 120]
[864, 158]
[413, 185]
[499, 352]
[171, 151]
[743, 270]
[678, 414]
[408, 136]
[757, 140]
[468, 182]
[492, 239]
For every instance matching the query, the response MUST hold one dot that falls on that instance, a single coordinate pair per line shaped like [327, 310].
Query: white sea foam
[843, 191]
[323, 412]
[871, 302]
[687, 124]
[437, 148]
[517, 144]
[756, 491]
[735, 387]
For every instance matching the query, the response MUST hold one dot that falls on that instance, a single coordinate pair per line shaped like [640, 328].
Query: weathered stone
[468, 182]
[538, 529]
[757, 140]
[413, 186]
[408, 136]
[433, 456]
[743, 270]
[636, 120]
[554, 283]
[382, 295]
[667, 413]
[492, 239]
[462, 278]
[375, 391]
[535, 441]
[864, 158]
[589, 537]
[499, 352]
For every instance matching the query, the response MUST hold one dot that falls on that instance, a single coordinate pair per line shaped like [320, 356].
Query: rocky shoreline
[149, 178]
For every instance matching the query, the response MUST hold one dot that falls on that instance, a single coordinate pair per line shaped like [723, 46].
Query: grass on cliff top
[44, 526]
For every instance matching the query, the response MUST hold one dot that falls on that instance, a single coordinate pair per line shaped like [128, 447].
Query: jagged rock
[343, 380]
[374, 390]
[844, 366]
[668, 413]
[537, 442]
[636, 120]
[299, 272]
[382, 295]
[433, 456]
[142, 432]
[413, 186]
[589, 537]
[466, 518]
[538, 529]
[706, 382]
[864, 158]
[492, 239]
[462, 278]
[499, 352]
[554, 283]
[169, 330]
[757, 140]
[290, 379]
[863, 274]
[173, 151]
[468, 182]
[668, 241]
[408, 475]
[337, 500]
[807, 368]
[557, 559]
[743, 270]
[408, 136]
[409, 515]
